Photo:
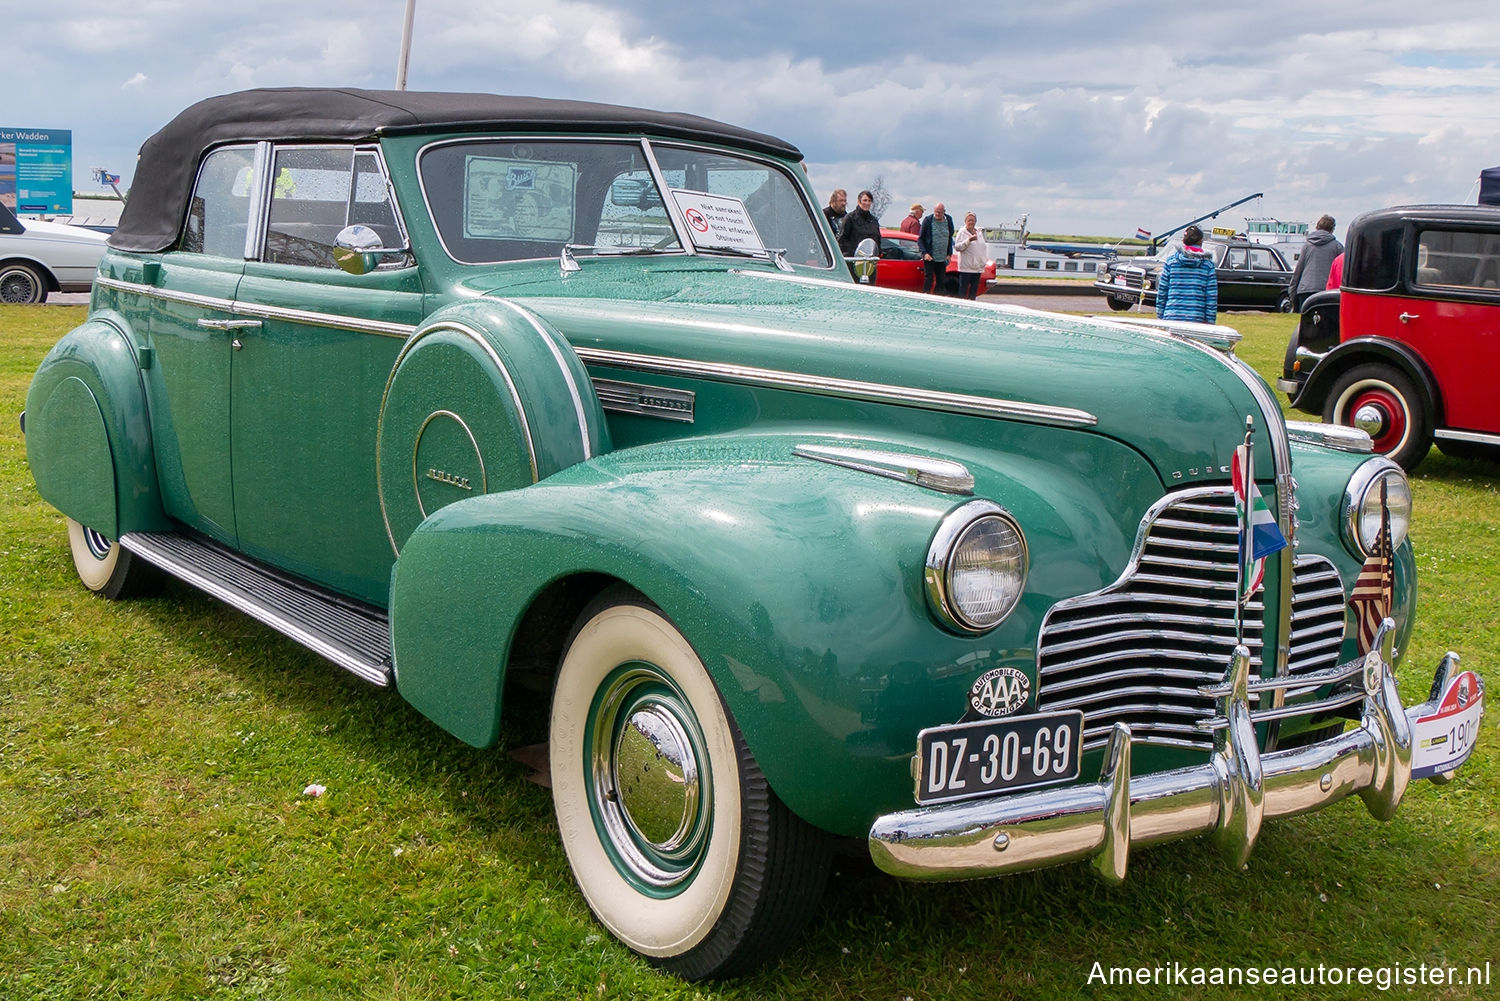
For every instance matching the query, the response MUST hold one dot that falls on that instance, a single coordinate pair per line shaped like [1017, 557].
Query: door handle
[229, 324]
[236, 343]
[1408, 317]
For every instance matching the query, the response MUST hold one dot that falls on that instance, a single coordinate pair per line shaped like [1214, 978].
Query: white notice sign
[717, 221]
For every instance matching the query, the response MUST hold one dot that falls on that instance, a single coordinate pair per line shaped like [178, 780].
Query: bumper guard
[1227, 798]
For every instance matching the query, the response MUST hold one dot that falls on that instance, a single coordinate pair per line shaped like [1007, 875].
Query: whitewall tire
[105, 567]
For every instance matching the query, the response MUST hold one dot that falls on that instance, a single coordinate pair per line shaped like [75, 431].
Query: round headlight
[976, 567]
[1376, 485]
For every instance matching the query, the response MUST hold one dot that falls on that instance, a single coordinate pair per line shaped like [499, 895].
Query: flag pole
[1246, 542]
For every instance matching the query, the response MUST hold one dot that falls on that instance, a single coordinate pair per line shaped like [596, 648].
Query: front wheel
[20, 283]
[107, 568]
[676, 840]
[1118, 305]
[1383, 402]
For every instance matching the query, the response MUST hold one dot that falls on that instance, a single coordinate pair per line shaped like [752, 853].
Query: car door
[308, 380]
[191, 326]
[1236, 286]
[1268, 276]
[900, 264]
[1454, 319]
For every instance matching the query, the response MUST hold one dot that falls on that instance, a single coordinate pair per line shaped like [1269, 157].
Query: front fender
[799, 584]
[88, 434]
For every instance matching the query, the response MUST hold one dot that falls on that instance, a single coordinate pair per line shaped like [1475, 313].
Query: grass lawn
[155, 841]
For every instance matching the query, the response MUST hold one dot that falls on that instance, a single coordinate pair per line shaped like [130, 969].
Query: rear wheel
[107, 568]
[21, 283]
[1383, 402]
[676, 840]
[1284, 304]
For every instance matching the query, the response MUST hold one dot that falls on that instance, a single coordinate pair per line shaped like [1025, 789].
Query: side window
[1458, 259]
[1261, 259]
[219, 212]
[315, 193]
[1235, 259]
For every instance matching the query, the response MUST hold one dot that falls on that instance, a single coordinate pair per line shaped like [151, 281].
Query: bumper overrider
[1227, 798]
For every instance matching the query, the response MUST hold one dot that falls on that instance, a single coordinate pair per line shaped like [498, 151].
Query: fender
[88, 432]
[800, 585]
[1363, 349]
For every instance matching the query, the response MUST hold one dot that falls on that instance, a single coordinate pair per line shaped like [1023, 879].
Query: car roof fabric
[168, 160]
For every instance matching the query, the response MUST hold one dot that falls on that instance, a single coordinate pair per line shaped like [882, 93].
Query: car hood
[1179, 402]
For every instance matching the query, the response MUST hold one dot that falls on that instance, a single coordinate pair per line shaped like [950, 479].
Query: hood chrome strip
[925, 399]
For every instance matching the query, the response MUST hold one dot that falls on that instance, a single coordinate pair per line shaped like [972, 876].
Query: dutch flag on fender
[1259, 535]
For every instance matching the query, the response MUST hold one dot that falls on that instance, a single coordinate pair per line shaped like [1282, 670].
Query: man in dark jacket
[859, 225]
[935, 244]
[1311, 273]
[1188, 286]
[836, 210]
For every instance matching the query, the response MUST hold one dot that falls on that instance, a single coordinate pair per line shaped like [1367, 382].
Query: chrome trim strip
[942, 475]
[484, 479]
[1345, 439]
[1227, 798]
[1474, 436]
[925, 399]
[646, 401]
[562, 364]
[329, 320]
[260, 613]
[1222, 338]
[260, 200]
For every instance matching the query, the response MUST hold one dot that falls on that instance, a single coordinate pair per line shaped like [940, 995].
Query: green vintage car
[450, 387]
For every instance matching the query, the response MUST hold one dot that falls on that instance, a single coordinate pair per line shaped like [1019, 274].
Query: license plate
[1119, 279]
[976, 759]
[1444, 739]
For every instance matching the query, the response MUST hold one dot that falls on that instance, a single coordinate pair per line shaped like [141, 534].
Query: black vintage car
[1251, 276]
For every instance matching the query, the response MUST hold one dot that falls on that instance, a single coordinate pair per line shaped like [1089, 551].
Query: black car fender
[1368, 349]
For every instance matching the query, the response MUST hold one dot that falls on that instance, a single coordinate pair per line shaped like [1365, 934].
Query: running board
[355, 637]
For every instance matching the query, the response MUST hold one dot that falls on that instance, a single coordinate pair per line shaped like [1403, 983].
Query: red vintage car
[901, 265]
[1406, 349]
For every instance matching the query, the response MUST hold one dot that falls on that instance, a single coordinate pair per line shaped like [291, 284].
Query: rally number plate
[966, 760]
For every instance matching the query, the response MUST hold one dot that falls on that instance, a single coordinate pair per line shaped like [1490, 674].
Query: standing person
[1311, 273]
[1188, 287]
[971, 250]
[1336, 273]
[935, 241]
[913, 221]
[859, 225]
[835, 210]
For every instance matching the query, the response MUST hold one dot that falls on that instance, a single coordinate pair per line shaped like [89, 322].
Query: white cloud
[137, 82]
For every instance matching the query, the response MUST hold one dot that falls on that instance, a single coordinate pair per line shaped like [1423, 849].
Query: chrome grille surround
[1142, 650]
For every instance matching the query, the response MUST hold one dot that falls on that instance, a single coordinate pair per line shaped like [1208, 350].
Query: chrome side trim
[645, 401]
[1345, 439]
[1228, 797]
[567, 373]
[1474, 436]
[329, 320]
[1222, 338]
[924, 399]
[942, 475]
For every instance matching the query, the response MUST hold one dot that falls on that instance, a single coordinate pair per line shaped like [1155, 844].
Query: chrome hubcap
[649, 792]
[1371, 420]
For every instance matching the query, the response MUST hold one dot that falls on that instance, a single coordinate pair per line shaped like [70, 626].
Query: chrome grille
[1139, 650]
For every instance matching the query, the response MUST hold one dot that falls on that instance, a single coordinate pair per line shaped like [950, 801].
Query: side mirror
[357, 249]
[865, 259]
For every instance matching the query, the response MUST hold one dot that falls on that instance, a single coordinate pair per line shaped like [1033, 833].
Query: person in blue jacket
[1188, 286]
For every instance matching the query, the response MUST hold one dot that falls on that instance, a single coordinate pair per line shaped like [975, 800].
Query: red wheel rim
[1393, 417]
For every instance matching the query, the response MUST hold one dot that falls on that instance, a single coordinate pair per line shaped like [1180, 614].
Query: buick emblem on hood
[999, 692]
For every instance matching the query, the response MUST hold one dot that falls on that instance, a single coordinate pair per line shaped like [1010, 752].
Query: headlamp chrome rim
[937, 571]
[1366, 478]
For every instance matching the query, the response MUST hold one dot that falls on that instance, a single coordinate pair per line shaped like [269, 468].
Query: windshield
[508, 200]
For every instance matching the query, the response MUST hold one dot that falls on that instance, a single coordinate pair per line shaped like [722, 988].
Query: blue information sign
[36, 170]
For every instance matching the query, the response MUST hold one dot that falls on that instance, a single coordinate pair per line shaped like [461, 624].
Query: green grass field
[155, 842]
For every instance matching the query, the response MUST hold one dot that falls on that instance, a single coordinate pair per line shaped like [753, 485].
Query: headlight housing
[976, 567]
[1362, 504]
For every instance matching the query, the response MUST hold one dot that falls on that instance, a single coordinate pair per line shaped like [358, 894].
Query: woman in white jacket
[971, 249]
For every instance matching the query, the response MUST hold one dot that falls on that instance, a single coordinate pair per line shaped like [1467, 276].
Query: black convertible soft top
[169, 160]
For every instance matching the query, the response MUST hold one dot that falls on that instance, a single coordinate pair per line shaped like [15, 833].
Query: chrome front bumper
[1227, 798]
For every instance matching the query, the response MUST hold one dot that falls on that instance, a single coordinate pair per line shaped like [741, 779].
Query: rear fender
[88, 433]
[1357, 352]
[799, 584]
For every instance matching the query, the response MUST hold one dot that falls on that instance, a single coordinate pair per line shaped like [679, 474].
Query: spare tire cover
[484, 397]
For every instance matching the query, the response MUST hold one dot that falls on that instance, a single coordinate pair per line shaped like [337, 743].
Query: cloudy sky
[1092, 117]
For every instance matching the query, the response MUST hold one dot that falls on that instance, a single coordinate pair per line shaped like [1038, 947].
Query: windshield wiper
[570, 263]
[776, 255]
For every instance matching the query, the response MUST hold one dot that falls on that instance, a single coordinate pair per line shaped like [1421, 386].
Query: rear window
[1372, 260]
